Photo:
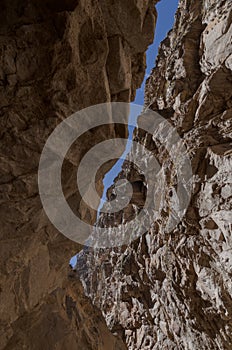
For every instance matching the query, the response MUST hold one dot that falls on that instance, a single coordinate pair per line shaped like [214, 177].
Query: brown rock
[173, 291]
[55, 59]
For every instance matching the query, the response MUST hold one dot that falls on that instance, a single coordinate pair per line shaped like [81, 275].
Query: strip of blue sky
[166, 11]
[114, 171]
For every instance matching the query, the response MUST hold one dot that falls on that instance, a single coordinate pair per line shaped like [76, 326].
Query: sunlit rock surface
[173, 290]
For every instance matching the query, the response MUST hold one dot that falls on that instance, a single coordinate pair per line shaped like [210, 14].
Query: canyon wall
[173, 290]
[56, 57]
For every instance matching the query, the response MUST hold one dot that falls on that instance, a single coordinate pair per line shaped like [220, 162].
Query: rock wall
[65, 319]
[56, 57]
[174, 291]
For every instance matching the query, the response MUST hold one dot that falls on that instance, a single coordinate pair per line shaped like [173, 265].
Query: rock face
[174, 291]
[56, 57]
[64, 320]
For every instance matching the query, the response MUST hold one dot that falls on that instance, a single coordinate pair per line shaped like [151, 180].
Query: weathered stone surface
[65, 319]
[173, 291]
[55, 59]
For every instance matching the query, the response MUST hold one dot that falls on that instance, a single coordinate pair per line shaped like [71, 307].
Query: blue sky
[166, 11]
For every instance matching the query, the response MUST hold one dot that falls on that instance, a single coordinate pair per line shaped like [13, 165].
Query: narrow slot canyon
[156, 76]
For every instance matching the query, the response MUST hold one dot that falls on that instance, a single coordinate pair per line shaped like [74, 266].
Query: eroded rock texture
[64, 320]
[174, 291]
[56, 57]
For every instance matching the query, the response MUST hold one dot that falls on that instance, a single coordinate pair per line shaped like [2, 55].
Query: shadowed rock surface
[173, 290]
[56, 57]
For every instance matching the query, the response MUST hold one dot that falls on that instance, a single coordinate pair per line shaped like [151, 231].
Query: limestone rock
[173, 290]
[64, 320]
[55, 59]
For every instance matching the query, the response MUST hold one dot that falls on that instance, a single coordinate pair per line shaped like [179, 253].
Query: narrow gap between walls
[166, 13]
